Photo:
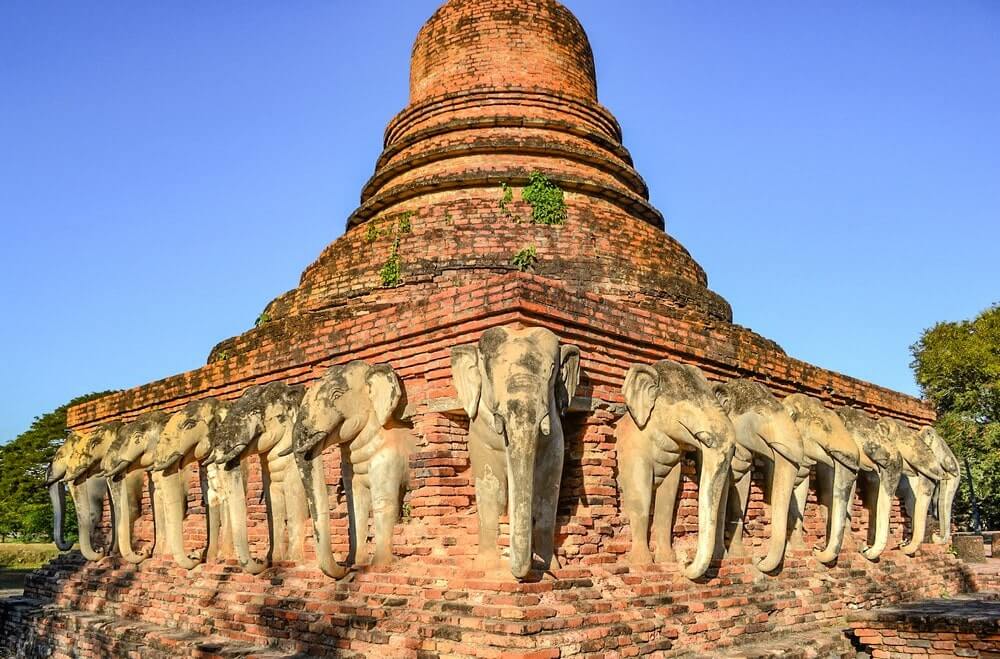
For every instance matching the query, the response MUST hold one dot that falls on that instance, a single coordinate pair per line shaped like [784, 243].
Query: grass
[17, 556]
[18, 560]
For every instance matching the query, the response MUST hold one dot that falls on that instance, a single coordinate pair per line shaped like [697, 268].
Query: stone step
[828, 643]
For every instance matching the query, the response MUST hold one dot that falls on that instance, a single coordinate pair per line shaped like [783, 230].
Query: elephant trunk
[887, 483]
[715, 465]
[843, 486]
[174, 497]
[782, 486]
[318, 500]
[521, 491]
[57, 493]
[923, 490]
[122, 504]
[946, 496]
[236, 498]
[86, 521]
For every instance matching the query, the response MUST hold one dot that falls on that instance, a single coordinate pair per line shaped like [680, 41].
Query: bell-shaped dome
[526, 44]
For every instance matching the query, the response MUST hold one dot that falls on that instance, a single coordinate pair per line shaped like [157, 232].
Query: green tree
[957, 365]
[25, 509]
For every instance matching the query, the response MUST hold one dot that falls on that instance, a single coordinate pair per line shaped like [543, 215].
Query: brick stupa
[499, 90]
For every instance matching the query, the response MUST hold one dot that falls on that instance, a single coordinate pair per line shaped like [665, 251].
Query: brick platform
[964, 627]
[432, 607]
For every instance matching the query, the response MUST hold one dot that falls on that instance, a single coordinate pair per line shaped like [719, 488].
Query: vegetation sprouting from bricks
[547, 201]
[525, 259]
[394, 226]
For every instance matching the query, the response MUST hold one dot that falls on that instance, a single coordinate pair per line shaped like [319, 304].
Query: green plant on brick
[372, 233]
[391, 273]
[548, 205]
[506, 198]
[403, 224]
[262, 320]
[525, 259]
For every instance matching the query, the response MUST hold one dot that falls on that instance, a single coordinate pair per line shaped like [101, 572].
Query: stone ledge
[47, 629]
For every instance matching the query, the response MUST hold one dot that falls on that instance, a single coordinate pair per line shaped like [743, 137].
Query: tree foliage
[957, 365]
[25, 509]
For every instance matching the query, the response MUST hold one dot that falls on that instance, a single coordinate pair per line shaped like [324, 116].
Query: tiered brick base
[969, 627]
[429, 607]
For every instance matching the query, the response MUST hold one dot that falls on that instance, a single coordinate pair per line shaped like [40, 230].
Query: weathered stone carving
[763, 429]
[672, 409]
[354, 406]
[947, 486]
[77, 463]
[125, 465]
[261, 422]
[881, 467]
[830, 448]
[190, 437]
[515, 384]
[921, 473]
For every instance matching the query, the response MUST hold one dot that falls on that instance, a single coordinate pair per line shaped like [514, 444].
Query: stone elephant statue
[77, 464]
[763, 430]
[828, 447]
[190, 437]
[354, 406]
[515, 384]
[948, 486]
[261, 422]
[921, 474]
[672, 409]
[125, 465]
[880, 467]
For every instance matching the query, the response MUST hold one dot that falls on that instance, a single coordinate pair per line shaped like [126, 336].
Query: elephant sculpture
[354, 406]
[829, 447]
[125, 465]
[947, 487]
[261, 422]
[880, 468]
[77, 464]
[515, 384]
[763, 430]
[672, 408]
[921, 474]
[189, 437]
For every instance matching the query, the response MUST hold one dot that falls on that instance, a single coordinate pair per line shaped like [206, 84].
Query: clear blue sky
[168, 168]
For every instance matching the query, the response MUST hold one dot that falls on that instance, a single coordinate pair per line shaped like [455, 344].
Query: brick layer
[434, 607]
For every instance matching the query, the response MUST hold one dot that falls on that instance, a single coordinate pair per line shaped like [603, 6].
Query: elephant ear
[642, 386]
[569, 376]
[384, 390]
[722, 395]
[467, 378]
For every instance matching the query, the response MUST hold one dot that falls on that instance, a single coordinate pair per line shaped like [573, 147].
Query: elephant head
[922, 472]
[880, 458]
[515, 384]
[124, 465]
[947, 487]
[827, 444]
[674, 408]
[77, 463]
[763, 429]
[58, 468]
[188, 436]
[354, 406]
[261, 419]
